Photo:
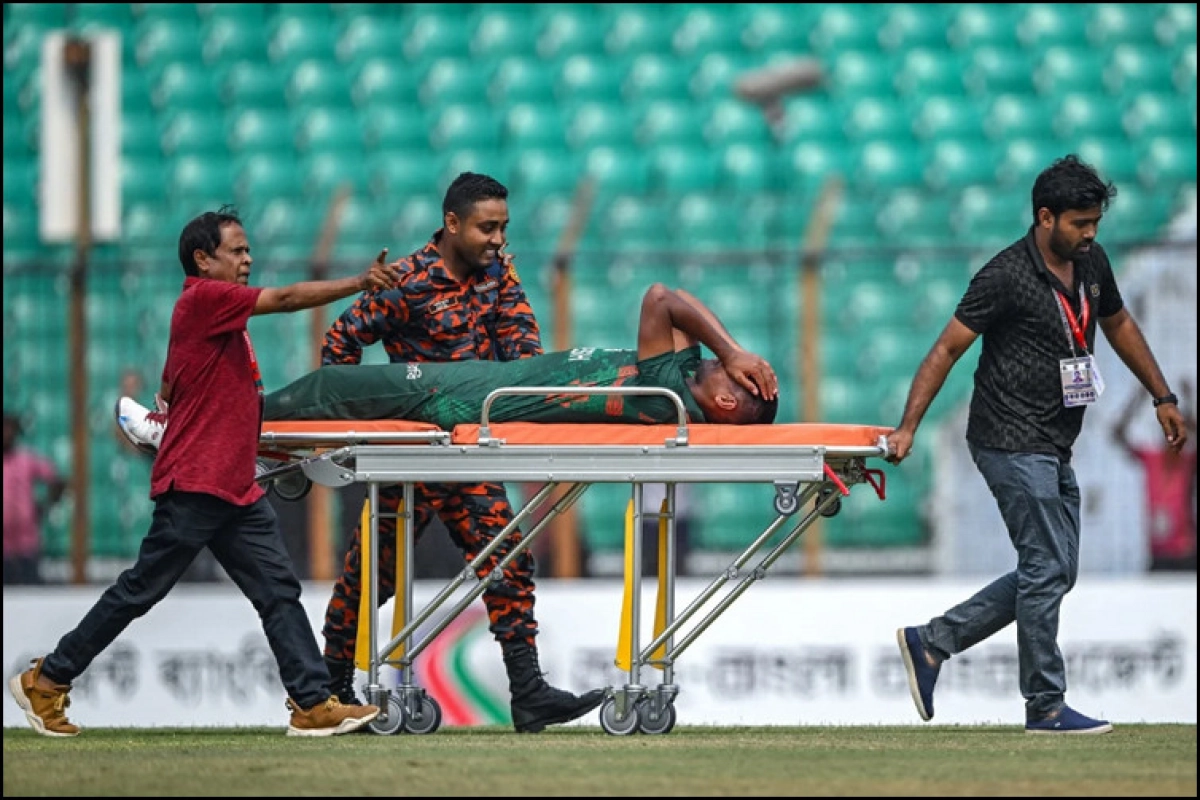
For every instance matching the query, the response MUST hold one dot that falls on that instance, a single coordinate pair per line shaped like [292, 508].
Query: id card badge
[1097, 380]
[1078, 384]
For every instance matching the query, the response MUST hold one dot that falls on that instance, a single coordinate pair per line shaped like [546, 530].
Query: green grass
[1134, 760]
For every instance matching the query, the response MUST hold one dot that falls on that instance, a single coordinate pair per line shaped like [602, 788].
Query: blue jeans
[1039, 501]
[246, 542]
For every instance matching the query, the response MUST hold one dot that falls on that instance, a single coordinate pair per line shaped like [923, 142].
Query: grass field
[1134, 760]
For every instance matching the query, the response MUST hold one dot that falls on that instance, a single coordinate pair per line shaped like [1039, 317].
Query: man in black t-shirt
[1036, 304]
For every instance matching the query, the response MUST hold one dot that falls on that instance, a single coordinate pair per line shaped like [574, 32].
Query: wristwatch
[1166, 398]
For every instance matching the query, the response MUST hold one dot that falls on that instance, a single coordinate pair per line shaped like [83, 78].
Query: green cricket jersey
[450, 393]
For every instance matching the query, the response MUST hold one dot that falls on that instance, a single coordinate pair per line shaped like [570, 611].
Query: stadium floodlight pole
[768, 86]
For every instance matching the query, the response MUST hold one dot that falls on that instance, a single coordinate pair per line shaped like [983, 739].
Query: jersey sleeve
[1110, 300]
[986, 299]
[518, 334]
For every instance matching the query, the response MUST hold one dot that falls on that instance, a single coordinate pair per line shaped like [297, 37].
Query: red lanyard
[1076, 329]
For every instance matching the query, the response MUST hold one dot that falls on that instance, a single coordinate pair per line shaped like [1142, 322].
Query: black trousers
[247, 543]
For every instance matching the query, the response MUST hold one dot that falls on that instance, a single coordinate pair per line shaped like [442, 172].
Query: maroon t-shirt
[215, 393]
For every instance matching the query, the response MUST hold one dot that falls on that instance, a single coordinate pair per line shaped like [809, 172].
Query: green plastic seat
[44, 14]
[1016, 116]
[247, 14]
[502, 31]
[399, 173]
[418, 216]
[20, 181]
[634, 222]
[394, 126]
[1158, 114]
[1043, 24]
[731, 120]
[253, 85]
[452, 79]
[807, 163]
[813, 117]
[638, 28]
[910, 25]
[295, 38]
[656, 76]
[1167, 161]
[1070, 68]
[1110, 155]
[878, 118]
[992, 69]
[1025, 158]
[884, 164]
[682, 167]
[596, 124]
[745, 168]
[140, 134]
[330, 129]
[183, 85]
[317, 83]
[427, 35]
[1176, 25]
[617, 168]
[705, 28]
[715, 74]
[521, 78]
[985, 212]
[464, 125]
[143, 179]
[568, 28]
[286, 228]
[840, 27]
[924, 71]
[955, 163]
[385, 81]
[262, 130]
[261, 176]
[975, 24]
[529, 125]
[326, 171]
[1085, 114]
[1112, 23]
[158, 42]
[704, 223]
[201, 178]
[774, 27]
[368, 36]
[541, 171]
[666, 122]
[1139, 68]
[586, 77]
[194, 131]
[228, 39]
[948, 117]
[449, 164]
[855, 73]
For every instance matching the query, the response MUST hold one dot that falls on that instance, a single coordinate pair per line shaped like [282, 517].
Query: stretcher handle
[681, 432]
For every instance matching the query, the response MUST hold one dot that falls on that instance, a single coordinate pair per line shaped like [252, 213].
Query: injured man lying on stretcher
[737, 387]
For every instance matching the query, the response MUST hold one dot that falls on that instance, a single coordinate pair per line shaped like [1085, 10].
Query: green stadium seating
[745, 169]
[1176, 25]
[296, 38]
[261, 176]
[992, 69]
[395, 174]
[393, 127]
[462, 125]
[568, 28]
[143, 178]
[1138, 68]
[538, 172]
[855, 73]
[1044, 24]
[200, 178]
[500, 32]
[885, 164]
[427, 35]
[183, 85]
[731, 120]
[228, 39]
[521, 78]
[325, 129]
[262, 130]
[584, 77]
[976, 24]
[907, 26]
[875, 117]
[618, 169]
[706, 28]
[715, 74]
[596, 124]
[1148, 114]
[954, 163]
[839, 27]
[667, 122]
[1110, 23]
[452, 79]
[1070, 68]
[656, 76]
[317, 83]
[948, 117]
[813, 117]
[530, 125]
[638, 28]
[253, 85]
[1083, 114]
[682, 168]
[161, 41]
[1111, 156]
[384, 81]
[195, 130]
[1167, 161]
[925, 71]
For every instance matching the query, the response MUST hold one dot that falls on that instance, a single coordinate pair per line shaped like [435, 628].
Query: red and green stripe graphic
[444, 670]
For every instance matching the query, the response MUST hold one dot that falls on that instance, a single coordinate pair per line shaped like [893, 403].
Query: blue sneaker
[921, 676]
[1068, 720]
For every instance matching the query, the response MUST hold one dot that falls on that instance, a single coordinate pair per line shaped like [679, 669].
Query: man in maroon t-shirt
[204, 489]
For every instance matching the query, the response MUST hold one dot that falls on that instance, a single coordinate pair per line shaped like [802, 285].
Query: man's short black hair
[1069, 184]
[204, 233]
[468, 189]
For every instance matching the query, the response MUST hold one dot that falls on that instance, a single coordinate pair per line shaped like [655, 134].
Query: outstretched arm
[664, 312]
[309, 294]
[949, 347]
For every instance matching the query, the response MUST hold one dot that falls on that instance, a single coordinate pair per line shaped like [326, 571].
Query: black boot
[341, 680]
[535, 703]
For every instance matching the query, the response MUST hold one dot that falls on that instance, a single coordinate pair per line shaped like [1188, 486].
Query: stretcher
[811, 466]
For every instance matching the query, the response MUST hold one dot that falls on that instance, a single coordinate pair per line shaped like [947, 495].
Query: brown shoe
[44, 708]
[329, 718]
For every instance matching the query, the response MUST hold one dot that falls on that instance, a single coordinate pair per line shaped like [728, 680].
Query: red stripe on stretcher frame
[798, 433]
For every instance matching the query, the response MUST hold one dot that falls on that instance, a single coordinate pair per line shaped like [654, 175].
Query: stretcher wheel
[613, 726]
[656, 727]
[426, 719]
[833, 509]
[786, 504]
[293, 486]
[386, 726]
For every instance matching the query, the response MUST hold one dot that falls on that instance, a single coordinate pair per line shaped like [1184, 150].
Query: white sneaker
[142, 427]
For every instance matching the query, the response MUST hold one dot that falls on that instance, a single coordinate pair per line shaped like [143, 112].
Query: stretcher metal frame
[338, 454]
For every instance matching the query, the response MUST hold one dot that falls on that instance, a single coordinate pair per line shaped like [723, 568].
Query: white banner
[788, 652]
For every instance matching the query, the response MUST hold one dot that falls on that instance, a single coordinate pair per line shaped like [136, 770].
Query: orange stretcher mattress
[546, 433]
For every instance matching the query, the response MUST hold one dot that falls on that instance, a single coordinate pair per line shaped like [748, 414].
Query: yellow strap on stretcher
[362, 650]
[624, 659]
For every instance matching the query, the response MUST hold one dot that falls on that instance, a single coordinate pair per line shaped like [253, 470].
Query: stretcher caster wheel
[660, 726]
[425, 719]
[293, 486]
[831, 510]
[393, 722]
[613, 726]
[786, 504]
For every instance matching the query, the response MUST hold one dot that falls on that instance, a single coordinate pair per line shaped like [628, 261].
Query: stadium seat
[679, 167]
[228, 39]
[715, 74]
[776, 27]
[584, 77]
[745, 168]
[705, 28]
[158, 42]
[330, 129]
[924, 71]
[807, 163]
[492, 161]
[534, 125]
[976, 24]
[384, 81]
[427, 35]
[1070, 68]
[992, 69]
[877, 117]
[201, 179]
[1112, 156]
[317, 83]
[656, 76]
[638, 28]
[1025, 158]
[196, 130]
[1158, 114]
[464, 125]
[959, 162]
[618, 168]
[453, 79]
[140, 135]
[595, 124]
[253, 84]
[664, 122]
[184, 85]
[841, 27]
[910, 25]
[1111, 23]
[1012, 116]
[261, 176]
[855, 73]
[1043, 24]
[1176, 25]
[947, 116]
[295, 38]
[813, 117]
[732, 120]
[885, 164]
[368, 36]
[325, 172]
[705, 223]
[399, 173]
[1138, 68]
[1085, 114]
[537, 172]
[262, 130]
[1166, 161]
[521, 78]
[502, 31]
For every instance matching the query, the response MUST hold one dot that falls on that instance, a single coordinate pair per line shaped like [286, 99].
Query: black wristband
[1166, 398]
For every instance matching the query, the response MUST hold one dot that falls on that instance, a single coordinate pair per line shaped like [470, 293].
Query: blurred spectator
[1169, 489]
[24, 471]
